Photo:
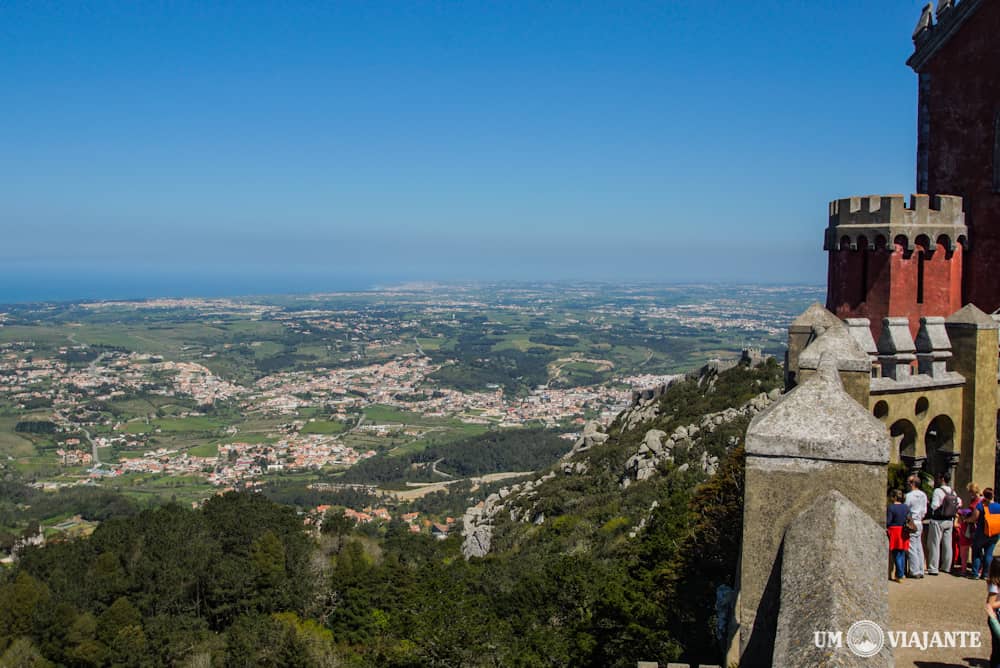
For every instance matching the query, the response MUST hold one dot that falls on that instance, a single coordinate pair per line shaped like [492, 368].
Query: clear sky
[367, 141]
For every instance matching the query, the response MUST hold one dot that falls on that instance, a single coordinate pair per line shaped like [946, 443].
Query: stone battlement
[933, 31]
[880, 221]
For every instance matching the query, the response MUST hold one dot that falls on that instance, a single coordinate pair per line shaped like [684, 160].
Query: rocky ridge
[654, 450]
[519, 502]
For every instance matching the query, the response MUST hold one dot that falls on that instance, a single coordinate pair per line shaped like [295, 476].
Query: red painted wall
[892, 285]
[961, 96]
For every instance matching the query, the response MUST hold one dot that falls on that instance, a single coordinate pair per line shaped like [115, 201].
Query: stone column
[974, 344]
[813, 440]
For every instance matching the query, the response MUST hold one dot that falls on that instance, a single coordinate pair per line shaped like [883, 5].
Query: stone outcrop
[477, 522]
[592, 435]
[657, 448]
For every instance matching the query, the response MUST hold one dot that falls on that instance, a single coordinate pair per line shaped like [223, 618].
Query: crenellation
[881, 220]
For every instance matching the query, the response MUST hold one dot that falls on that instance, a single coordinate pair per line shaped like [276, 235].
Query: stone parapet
[930, 35]
[915, 383]
[882, 220]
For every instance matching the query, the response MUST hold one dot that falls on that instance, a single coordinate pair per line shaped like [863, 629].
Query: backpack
[991, 521]
[948, 508]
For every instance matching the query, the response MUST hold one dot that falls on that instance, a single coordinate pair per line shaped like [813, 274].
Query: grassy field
[204, 450]
[148, 488]
[323, 427]
[380, 414]
[248, 437]
[199, 424]
[13, 444]
[431, 344]
[196, 423]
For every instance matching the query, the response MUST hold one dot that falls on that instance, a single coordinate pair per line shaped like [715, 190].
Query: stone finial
[836, 343]
[819, 420]
[925, 23]
[896, 348]
[933, 347]
[815, 315]
[861, 331]
[944, 6]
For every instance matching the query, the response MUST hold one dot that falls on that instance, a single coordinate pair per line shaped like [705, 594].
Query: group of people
[955, 531]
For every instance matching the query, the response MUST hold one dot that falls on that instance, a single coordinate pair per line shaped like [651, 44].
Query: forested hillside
[595, 565]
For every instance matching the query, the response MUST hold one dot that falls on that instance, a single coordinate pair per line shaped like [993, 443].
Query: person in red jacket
[899, 538]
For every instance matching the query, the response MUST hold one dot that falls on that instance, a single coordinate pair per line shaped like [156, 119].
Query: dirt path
[941, 603]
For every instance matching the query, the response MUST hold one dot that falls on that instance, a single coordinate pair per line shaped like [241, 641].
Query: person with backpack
[986, 515]
[944, 507]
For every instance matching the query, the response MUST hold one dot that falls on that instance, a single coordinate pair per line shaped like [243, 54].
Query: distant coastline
[17, 287]
[21, 287]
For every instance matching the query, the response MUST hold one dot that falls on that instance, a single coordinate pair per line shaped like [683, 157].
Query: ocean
[20, 286]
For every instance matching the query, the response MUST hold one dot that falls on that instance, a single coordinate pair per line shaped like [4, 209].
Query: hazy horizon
[336, 142]
[67, 288]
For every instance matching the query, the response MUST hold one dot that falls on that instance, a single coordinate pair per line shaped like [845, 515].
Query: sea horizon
[18, 287]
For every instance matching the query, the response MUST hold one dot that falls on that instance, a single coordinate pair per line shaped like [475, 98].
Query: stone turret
[860, 221]
[888, 259]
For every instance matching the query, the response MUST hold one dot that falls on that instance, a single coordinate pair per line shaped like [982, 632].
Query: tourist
[992, 603]
[944, 507]
[986, 515]
[963, 532]
[916, 502]
[968, 531]
[994, 624]
[899, 539]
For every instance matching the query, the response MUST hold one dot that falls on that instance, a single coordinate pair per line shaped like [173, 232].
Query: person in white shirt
[944, 507]
[916, 501]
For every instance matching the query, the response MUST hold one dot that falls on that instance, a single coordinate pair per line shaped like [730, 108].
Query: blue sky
[670, 140]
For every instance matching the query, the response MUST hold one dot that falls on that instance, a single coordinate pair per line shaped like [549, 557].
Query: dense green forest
[611, 575]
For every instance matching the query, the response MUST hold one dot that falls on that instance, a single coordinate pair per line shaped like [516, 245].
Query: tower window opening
[920, 277]
[863, 288]
[996, 153]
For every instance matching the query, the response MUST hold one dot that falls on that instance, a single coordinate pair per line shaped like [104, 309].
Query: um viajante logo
[866, 638]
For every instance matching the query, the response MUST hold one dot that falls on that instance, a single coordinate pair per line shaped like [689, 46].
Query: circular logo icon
[865, 638]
